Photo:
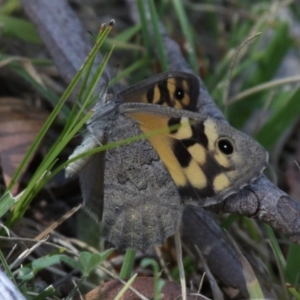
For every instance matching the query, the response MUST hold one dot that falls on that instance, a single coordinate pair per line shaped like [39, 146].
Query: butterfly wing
[172, 89]
[141, 203]
[207, 159]
[96, 129]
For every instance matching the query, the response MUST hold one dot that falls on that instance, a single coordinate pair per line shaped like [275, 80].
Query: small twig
[180, 263]
[162, 262]
[220, 9]
[233, 64]
[262, 87]
[66, 216]
[201, 282]
[124, 282]
[27, 252]
[214, 286]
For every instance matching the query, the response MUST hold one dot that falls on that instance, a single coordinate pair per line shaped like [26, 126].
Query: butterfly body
[187, 158]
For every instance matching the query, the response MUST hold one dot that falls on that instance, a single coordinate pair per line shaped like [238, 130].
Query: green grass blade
[143, 62]
[6, 202]
[119, 296]
[42, 174]
[280, 121]
[157, 36]
[292, 270]
[187, 31]
[6, 268]
[127, 265]
[145, 26]
[18, 28]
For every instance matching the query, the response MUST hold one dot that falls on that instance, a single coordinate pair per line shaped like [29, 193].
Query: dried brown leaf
[19, 125]
[144, 285]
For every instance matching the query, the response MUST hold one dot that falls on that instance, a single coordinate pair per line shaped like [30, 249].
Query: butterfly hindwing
[172, 89]
[141, 203]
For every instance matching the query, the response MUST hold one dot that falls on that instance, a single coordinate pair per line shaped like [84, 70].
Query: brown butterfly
[188, 158]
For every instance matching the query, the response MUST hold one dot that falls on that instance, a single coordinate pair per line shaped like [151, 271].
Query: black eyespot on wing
[179, 93]
[225, 146]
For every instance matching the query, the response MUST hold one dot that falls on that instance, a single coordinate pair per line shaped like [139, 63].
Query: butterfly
[188, 158]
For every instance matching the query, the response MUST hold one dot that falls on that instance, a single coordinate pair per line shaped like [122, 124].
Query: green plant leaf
[19, 28]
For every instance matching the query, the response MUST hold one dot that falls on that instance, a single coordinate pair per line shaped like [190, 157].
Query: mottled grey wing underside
[91, 182]
[140, 203]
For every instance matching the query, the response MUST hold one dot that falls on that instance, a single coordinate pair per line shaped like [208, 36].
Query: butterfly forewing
[207, 159]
